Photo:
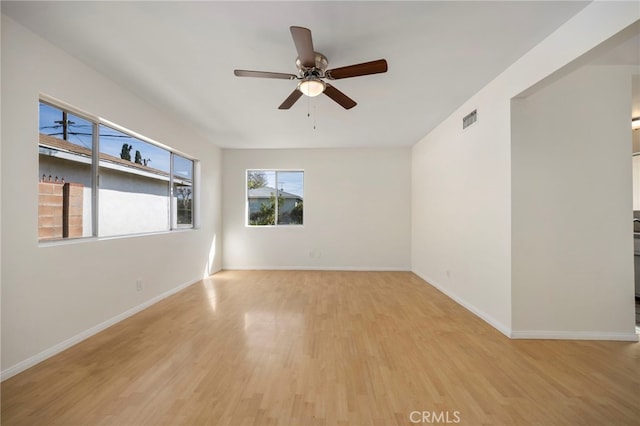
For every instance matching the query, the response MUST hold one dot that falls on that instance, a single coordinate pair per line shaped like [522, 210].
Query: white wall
[460, 211]
[461, 189]
[356, 211]
[635, 110]
[54, 295]
[572, 240]
[636, 182]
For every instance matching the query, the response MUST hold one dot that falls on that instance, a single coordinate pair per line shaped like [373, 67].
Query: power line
[90, 134]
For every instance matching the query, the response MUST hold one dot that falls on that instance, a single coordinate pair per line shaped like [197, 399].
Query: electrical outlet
[139, 284]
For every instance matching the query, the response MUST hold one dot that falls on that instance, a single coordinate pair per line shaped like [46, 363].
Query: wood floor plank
[322, 348]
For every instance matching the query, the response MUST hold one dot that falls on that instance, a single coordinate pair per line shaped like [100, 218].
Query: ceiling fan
[312, 69]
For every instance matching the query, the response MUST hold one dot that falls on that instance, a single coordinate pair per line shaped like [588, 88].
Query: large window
[97, 179]
[275, 197]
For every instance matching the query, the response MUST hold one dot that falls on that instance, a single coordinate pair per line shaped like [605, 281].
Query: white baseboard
[573, 335]
[318, 268]
[47, 353]
[477, 312]
[532, 334]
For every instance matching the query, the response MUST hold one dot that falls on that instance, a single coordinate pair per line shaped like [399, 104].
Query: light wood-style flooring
[322, 348]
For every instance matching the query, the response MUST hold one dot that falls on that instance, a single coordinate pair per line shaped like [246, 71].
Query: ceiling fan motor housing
[320, 66]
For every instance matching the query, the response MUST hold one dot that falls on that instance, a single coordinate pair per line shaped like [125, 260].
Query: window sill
[275, 226]
[81, 240]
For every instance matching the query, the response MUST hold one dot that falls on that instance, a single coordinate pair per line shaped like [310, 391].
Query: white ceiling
[180, 56]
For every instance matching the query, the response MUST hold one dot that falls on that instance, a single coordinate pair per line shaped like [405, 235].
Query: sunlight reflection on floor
[210, 289]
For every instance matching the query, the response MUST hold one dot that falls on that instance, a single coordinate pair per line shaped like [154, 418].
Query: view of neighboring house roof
[54, 143]
[266, 192]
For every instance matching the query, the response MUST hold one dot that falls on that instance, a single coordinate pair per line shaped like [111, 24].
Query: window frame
[96, 122]
[175, 225]
[276, 224]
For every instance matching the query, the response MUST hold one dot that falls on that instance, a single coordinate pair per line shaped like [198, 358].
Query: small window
[264, 187]
[130, 186]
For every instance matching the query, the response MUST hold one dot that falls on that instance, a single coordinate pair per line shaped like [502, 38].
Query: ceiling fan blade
[264, 74]
[345, 101]
[304, 46]
[291, 99]
[366, 68]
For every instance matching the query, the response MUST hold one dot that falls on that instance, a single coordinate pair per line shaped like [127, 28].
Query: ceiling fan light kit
[311, 87]
[312, 69]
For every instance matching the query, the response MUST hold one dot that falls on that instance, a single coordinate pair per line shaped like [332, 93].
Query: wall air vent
[470, 118]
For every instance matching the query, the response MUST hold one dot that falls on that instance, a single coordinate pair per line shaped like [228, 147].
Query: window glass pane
[261, 196]
[134, 185]
[264, 186]
[182, 191]
[290, 196]
[65, 157]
